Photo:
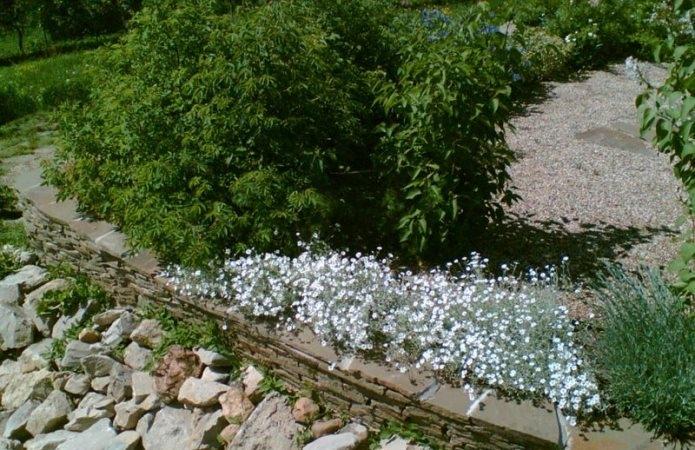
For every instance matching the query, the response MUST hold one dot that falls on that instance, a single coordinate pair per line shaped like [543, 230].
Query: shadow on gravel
[537, 243]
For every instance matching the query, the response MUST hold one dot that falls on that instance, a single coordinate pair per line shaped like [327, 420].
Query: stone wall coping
[415, 395]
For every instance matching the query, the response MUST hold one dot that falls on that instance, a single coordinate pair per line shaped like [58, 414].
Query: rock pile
[99, 395]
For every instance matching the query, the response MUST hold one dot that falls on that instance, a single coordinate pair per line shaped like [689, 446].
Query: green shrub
[548, 55]
[669, 110]
[236, 130]
[79, 293]
[645, 352]
[65, 19]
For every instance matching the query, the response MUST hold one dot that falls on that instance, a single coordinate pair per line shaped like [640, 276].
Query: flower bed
[504, 332]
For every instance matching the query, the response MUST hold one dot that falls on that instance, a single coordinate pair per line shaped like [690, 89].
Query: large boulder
[201, 393]
[31, 386]
[148, 334]
[177, 365]
[31, 304]
[305, 410]
[50, 415]
[212, 359]
[9, 294]
[169, 425]
[252, 379]
[106, 318]
[16, 329]
[271, 425]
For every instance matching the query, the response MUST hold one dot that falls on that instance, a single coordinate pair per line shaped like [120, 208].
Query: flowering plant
[505, 332]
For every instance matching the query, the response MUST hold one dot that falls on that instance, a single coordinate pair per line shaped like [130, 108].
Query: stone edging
[371, 391]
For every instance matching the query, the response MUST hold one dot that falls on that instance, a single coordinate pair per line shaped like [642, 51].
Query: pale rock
[144, 424]
[9, 294]
[49, 441]
[228, 433]
[252, 379]
[130, 440]
[143, 385]
[30, 386]
[212, 359]
[120, 329]
[271, 425]
[101, 384]
[78, 384]
[34, 357]
[207, 427]
[100, 436]
[169, 425]
[31, 302]
[128, 414]
[10, 444]
[148, 334]
[136, 357]
[121, 386]
[27, 278]
[305, 410]
[342, 441]
[9, 370]
[325, 427]
[201, 393]
[4, 417]
[89, 336]
[64, 323]
[90, 410]
[16, 426]
[50, 415]
[75, 351]
[236, 407]
[209, 374]
[106, 318]
[98, 365]
[398, 443]
[16, 329]
[360, 431]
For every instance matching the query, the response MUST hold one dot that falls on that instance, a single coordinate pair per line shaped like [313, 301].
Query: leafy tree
[15, 16]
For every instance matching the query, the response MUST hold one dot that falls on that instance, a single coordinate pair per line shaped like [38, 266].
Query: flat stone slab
[608, 137]
[114, 243]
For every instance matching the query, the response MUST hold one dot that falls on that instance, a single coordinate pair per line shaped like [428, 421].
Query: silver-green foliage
[645, 352]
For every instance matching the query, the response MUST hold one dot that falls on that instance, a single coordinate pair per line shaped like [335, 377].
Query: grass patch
[23, 136]
[43, 84]
[38, 45]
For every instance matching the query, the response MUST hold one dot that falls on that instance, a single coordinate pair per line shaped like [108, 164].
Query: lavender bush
[505, 332]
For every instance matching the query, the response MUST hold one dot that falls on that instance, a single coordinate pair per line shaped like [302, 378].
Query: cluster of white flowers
[505, 332]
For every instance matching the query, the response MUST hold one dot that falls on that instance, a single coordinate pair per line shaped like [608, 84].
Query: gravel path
[590, 187]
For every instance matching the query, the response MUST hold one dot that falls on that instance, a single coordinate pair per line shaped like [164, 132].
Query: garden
[346, 166]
